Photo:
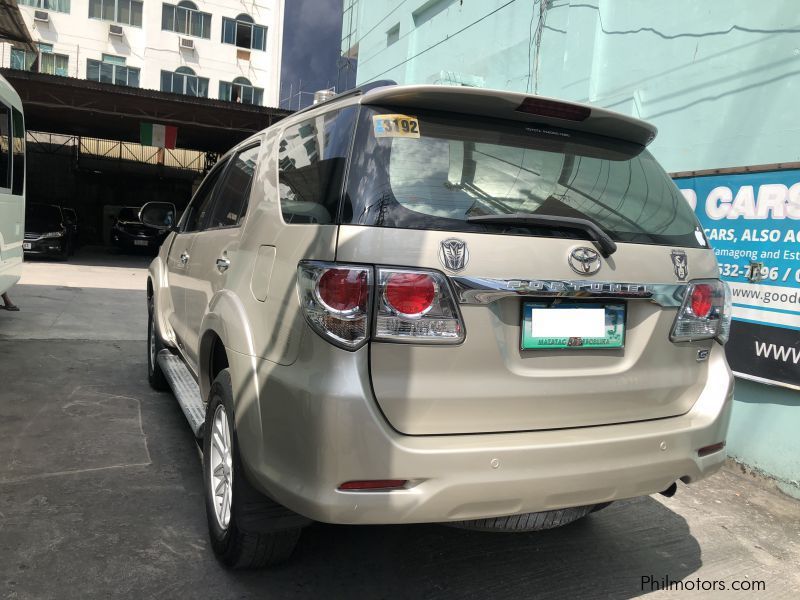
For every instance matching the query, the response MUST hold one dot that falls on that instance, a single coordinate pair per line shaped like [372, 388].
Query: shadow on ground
[100, 496]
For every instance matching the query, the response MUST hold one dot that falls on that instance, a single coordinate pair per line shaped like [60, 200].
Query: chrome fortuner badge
[680, 264]
[453, 254]
[584, 261]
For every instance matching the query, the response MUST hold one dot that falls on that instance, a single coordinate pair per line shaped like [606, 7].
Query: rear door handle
[184, 258]
[223, 264]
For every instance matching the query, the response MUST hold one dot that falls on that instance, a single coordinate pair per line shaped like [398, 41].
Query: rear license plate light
[573, 325]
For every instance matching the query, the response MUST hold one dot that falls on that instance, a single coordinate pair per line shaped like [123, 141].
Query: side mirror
[158, 215]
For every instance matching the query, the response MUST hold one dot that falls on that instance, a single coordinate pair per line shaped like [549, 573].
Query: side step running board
[185, 389]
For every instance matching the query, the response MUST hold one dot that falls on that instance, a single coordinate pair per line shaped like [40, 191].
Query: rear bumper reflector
[706, 450]
[373, 485]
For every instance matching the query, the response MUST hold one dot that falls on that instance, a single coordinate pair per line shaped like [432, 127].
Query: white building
[222, 49]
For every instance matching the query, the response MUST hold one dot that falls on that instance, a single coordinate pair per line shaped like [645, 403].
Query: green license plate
[572, 325]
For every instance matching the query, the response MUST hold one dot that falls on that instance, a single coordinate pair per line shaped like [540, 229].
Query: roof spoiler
[513, 106]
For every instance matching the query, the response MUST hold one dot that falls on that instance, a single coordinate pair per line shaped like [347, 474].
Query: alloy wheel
[221, 467]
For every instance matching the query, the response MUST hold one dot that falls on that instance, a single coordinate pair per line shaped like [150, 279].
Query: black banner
[765, 353]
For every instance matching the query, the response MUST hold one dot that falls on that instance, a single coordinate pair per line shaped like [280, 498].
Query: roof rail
[357, 91]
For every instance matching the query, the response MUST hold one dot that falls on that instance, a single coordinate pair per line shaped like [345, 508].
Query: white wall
[151, 50]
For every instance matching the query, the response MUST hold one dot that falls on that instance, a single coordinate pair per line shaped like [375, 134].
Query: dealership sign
[752, 221]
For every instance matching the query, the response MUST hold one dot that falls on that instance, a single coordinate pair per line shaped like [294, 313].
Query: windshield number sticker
[395, 126]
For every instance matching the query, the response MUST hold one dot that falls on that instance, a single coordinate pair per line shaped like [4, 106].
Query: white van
[12, 185]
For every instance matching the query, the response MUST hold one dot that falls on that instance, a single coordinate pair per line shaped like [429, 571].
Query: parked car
[48, 232]
[129, 233]
[418, 304]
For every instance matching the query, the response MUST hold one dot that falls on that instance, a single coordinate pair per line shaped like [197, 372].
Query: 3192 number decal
[395, 126]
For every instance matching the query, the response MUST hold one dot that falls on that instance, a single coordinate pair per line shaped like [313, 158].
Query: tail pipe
[670, 491]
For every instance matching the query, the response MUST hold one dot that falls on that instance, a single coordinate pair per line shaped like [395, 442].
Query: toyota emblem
[584, 261]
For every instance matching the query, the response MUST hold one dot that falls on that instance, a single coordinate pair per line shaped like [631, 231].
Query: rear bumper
[305, 429]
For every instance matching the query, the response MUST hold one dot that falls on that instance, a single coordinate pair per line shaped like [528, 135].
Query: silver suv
[431, 304]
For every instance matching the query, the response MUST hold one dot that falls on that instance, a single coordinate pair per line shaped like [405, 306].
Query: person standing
[8, 304]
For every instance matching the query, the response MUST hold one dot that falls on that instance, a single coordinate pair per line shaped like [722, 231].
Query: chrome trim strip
[479, 290]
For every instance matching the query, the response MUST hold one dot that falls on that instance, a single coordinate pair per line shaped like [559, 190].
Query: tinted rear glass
[460, 166]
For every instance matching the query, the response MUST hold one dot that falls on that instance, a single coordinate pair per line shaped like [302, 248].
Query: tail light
[416, 306]
[705, 313]
[409, 305]
[335, 301]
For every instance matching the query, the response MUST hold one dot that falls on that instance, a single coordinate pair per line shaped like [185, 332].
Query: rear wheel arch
[213, 358]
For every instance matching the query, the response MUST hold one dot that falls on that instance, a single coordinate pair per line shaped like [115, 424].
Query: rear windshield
[433, 171]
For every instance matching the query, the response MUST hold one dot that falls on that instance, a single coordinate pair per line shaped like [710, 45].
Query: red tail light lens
[410, 294]
[343, 290]
[702, 300]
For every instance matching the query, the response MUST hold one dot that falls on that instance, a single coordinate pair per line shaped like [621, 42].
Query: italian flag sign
[159, 136]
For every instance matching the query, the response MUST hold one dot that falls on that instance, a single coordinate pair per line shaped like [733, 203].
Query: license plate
[140, 242]
[26, 245]
[572, 325]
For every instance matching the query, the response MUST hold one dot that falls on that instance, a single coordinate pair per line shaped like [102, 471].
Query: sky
[312, 35]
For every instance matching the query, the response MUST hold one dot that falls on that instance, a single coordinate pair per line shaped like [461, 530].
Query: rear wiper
[607, 245]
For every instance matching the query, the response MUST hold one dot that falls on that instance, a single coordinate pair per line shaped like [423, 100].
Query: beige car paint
[491, 384]
[310, 416]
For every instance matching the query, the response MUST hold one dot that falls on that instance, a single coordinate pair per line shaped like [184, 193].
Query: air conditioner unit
[41, 16]
[187, 44]
[115, 30]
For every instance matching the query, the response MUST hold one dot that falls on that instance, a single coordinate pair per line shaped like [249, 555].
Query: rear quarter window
[312, 157]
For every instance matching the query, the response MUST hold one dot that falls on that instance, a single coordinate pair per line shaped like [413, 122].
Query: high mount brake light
[409, 305]
[705, 313]
[556, 110]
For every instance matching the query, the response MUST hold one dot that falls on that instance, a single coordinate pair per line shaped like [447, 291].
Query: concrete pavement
[100, 496]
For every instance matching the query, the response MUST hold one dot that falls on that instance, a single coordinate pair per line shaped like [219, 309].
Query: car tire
[537, 521]
[155, 375]
[64, 254]
[235, 544]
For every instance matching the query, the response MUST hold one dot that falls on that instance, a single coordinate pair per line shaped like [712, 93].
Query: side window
[19, 153]
[201, 203]
[311, 164]
[5, 146]
[233, 192]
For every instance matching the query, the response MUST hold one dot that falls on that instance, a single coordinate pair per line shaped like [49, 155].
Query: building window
[393, 35]
[241, 90]
[184, 81]
[56, 5]
[112, 69]
[243, 32]
[185, 18]
[48, 61]
[127, 12]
